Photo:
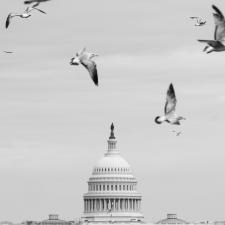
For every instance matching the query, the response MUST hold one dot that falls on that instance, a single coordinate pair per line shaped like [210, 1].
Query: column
[85, 205]
[114, 204]
[100, 204]
[139, 207]
[105, 204]
[92, 205]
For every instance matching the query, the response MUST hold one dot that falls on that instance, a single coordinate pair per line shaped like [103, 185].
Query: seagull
[34, 1]
[24, 15]
[199, 21]
[217, 44]
[177, 132]
[85, 58]
[9, 52]
[170, 107]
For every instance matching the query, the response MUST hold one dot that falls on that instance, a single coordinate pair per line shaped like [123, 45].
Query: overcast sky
[54, 123]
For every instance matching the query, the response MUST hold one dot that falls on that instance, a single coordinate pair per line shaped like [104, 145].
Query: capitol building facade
[112, 196]
[112, 189]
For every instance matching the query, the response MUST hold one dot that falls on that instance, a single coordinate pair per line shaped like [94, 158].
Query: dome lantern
[112, 142]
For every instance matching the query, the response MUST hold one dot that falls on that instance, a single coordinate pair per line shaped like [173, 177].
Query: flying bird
[178, 133]
[34, 1]
[85, 58]
[26, 14]
[8, 52]
[169, 110]
[199, 21]
[217, 44]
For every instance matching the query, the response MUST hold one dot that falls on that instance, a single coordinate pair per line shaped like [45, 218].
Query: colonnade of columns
[112, 205]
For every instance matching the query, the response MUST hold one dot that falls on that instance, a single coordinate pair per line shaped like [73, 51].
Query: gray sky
[55, 122]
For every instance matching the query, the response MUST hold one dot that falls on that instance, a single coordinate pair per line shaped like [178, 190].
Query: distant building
[54, 220]
[219, 222]
[30, 222]
[6, 223]
[172, 219]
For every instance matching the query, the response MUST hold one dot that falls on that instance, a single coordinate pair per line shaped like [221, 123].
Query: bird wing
[28, 9]
[36, 4]
[212, 43]
[8, 52]
[39, 10]
[81, 52]
[194, 17]
[171, 101]
[92, 69]
[8, 20]
[219, 34]
[33, 1]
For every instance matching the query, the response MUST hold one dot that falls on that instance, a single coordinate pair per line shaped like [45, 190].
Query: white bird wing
[92, 69]
[81, 52]
[171, 101]
[219, 34]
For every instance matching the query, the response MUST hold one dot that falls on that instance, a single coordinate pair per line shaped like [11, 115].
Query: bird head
[157, 121]
[74, 61]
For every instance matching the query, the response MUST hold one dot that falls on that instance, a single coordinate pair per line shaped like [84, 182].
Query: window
[116, 187]
[112, 187]
[107, 187]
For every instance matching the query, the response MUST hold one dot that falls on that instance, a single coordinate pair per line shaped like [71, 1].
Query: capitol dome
[112, 189]
[115, 161]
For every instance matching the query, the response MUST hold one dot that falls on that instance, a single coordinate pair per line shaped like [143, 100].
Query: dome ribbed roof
[112, 161]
